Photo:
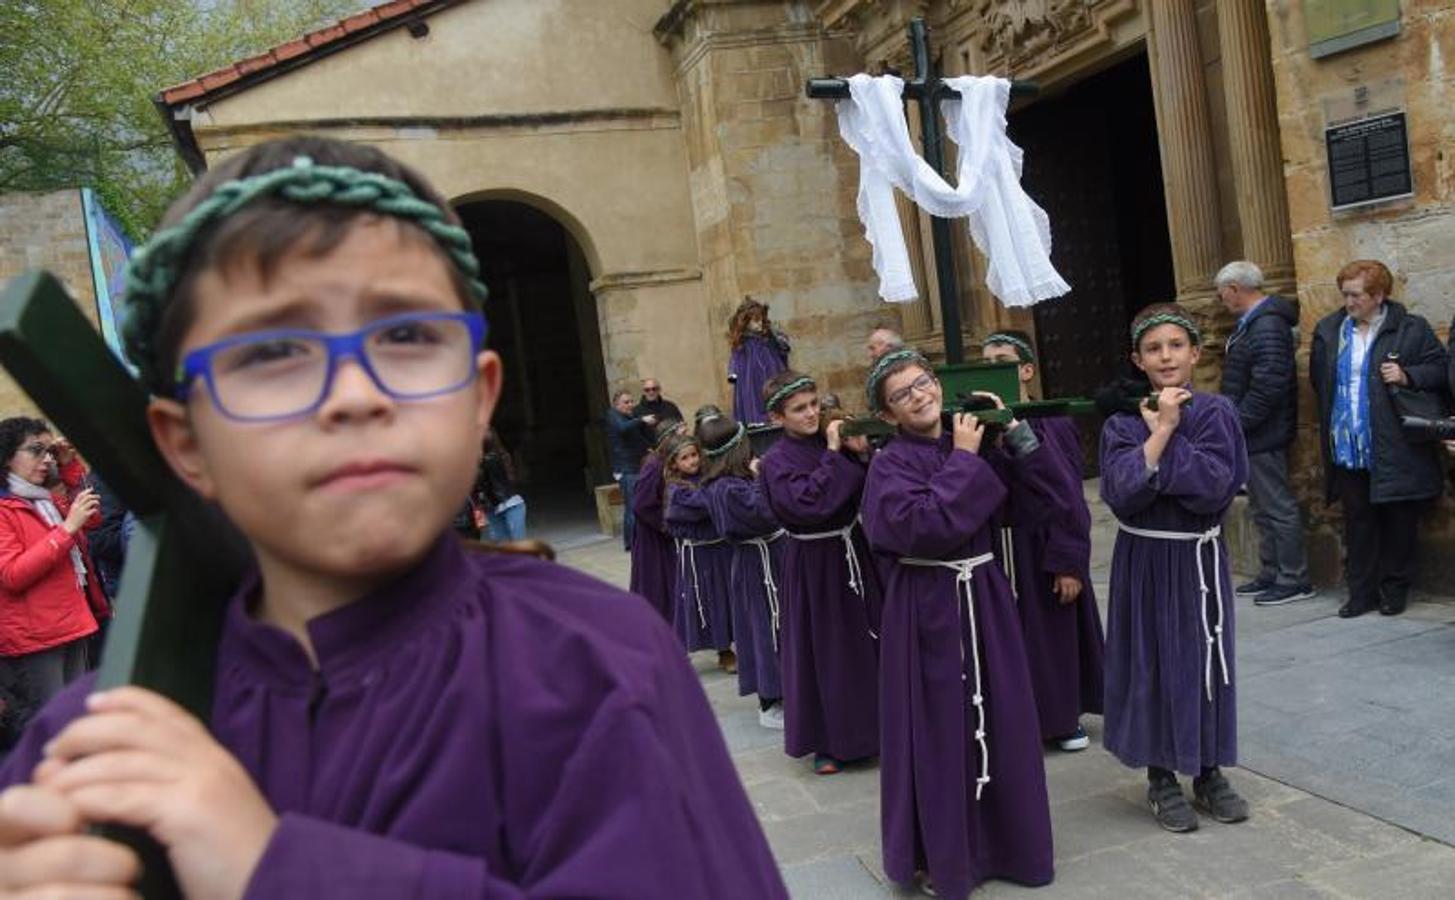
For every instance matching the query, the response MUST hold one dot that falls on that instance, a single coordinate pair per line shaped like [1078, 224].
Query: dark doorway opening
[1092, 163]
[543, 324]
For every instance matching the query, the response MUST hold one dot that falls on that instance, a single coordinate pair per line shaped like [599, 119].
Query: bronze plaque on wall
[1338, 25]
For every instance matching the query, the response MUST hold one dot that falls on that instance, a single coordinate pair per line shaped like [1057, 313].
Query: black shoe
[1354, 609]
[1255, 587]
[1214, 796]
[1393, 606]
[1280, 594]
[1170, 806]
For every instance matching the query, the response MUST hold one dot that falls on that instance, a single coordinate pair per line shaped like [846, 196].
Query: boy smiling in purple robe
[963, 788]
[393, 717]
[1169, 474]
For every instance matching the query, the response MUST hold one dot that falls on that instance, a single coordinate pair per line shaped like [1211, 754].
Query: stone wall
[773, 187]
[1414, 237]
[44, 231]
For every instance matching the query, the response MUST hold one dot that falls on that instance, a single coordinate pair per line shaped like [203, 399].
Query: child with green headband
[1051, 571]
[813, 477]
[392, 716]
[962, 784]
[1169, 475]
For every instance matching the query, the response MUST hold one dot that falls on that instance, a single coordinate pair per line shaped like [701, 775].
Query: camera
[1428, 429]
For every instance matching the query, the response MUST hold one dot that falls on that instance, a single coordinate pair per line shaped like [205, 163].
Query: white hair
[1242, 273]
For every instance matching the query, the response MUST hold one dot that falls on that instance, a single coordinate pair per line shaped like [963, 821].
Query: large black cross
[184, 558]
[927, 89]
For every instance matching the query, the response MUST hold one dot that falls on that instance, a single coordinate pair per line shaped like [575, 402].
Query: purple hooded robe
[830, 605]
[703, 607]
[962, 797]
[654, 556]
[1168, 645]
[758, 358]
[741, 514]
[486, 726]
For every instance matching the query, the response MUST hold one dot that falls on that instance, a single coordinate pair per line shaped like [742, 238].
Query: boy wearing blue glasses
[392, 716]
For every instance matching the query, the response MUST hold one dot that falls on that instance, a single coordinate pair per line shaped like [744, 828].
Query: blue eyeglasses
[271, 375]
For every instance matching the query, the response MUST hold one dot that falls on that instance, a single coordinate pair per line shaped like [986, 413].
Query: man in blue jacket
[1259, 377]
[629, 437]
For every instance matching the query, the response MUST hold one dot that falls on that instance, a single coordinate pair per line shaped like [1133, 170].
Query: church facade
[631, 169]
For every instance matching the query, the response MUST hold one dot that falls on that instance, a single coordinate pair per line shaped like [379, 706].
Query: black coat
[1399, 470]
[1259, 375]
[662, 408]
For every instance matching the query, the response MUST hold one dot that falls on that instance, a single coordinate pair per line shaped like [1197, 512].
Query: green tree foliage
[79, 77]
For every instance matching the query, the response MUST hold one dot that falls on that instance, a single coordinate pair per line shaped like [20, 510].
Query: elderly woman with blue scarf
[1381, 478]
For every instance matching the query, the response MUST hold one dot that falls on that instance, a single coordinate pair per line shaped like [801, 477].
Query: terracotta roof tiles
[313, 44]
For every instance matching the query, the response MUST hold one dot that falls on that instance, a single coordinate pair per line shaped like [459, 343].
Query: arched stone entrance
[543, 323]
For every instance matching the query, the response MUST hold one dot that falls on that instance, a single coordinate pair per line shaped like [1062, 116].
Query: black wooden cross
[928, 89]
[184, 558]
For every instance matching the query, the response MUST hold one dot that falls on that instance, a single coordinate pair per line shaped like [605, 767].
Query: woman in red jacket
[49, 600]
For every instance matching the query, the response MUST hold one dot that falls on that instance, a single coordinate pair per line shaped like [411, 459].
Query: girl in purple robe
[392, 715]
[1169, 474]
[654, 554]
[1051, 551]
[830, 591]
[759, 352]
[703, 605]
[740, 512]
[963, 789]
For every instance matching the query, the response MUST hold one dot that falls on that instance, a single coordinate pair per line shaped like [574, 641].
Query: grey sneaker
[1170, 806]
[1215, 797]
[1280, 594]
[1255, 587]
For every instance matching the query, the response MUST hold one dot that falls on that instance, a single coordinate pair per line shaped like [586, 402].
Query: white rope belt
[687, 555]
[770, 586]
[1007, 552]
[1212, 634]
[851, 556]
[964, 570]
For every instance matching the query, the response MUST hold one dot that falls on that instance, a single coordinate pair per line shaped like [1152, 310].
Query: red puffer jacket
[41, 606]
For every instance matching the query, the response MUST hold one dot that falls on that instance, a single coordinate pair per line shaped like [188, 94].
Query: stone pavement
[1347, 735]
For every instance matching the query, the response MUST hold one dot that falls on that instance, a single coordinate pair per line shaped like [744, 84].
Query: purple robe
[703, 607]
[754, 361]
[1064, 642]
[741, 514]
[654, 556]
[829, 642]
[1157, 707]
[486, 726]
[925, 500]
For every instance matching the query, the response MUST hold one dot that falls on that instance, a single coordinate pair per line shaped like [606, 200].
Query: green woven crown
[729, 444]
[152, 273]
[1151, 322]
[881, 371]
[775, 399]
[1022, 349]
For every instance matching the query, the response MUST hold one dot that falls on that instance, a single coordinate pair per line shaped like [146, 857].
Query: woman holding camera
[1363, 356]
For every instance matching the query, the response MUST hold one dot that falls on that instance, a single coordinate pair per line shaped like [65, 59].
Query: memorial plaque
[1369, 160]
[1338, 25]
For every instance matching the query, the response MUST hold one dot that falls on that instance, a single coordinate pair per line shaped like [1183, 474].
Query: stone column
[1185, 137]
[1256, 152]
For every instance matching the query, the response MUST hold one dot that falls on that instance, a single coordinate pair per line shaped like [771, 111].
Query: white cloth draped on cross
[1007, 225]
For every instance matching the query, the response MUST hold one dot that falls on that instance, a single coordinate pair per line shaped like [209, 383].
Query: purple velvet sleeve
[1206, 461]
[686, 504]
[1126, 485]
[806, 498]
[647, 496]
[909, 514]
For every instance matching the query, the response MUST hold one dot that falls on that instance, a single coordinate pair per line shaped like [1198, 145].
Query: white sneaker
[772, 717]
[1078, 740]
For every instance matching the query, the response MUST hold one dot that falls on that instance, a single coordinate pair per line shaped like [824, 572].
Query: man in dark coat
[1259, 377]
[653, 403]
[630, 437]
[1381, 478]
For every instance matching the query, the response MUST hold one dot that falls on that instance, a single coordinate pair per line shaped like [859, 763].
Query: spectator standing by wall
[1259, 377]
[1381, 478]
[653, 403]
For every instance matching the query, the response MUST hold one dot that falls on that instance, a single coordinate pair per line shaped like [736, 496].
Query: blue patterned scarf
[1351, 440]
